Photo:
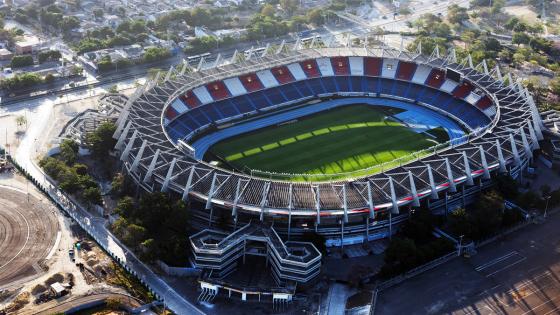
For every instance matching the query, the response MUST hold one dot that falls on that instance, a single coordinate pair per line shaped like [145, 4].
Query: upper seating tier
[436, 78]
[405, 70]
[310, 68]
[251, 82]
[372, 66]
[340, 65]
[282, 74]
[218, 90]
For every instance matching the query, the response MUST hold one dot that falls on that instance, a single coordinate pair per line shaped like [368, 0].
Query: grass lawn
[341, 140]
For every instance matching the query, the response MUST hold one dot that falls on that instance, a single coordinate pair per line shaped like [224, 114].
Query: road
[517, 275]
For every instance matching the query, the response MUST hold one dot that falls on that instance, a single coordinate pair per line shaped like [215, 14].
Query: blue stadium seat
[199, 115]
[275, 96]
[316, 86]
[371, 85]
[400, 88]
[290, 92]
[386, 86]
[303, 89]
[343, 84]
[330, 84]
[243, 103]
[260, 99]
[356, 84]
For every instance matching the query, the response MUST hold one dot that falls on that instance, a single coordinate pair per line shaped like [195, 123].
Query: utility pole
[546, 207]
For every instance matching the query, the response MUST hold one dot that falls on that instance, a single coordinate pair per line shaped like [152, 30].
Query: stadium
[342, 141]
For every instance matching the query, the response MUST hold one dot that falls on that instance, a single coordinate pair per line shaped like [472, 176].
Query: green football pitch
[340, 140]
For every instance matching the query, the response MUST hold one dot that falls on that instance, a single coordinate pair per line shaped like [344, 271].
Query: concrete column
[169, 175]
[416, 200]
[129, 145]
[345, 204]
[501, 159]
[534, 139]
[370, 201]
[211, 192]
[148, 176]
[484, 163]
[468, 172]
[318, 205]
[432, 183]
[236, 199]
[395, 207]
[450, 177]
[514, 150]
[138, 156]
[526, 145]
[187, 189]
[122, 137]
[290, 211]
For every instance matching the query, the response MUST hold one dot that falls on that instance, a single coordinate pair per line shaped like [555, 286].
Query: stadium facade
[159, 122]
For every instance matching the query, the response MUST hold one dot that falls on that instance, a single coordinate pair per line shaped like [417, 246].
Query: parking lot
[519, 274]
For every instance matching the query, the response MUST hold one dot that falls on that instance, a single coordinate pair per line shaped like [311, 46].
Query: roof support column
[533, 135]
[345, 203]
[151, 168]
[468, 172]
[318, 205]
[450, 177]
[187, 189]
[416, 200]
[526, 145]
[370, 201]
[129, 146]
[122, 137]
[211, 192]
[501, 159]
[395, 207]
[514, 150]
[169, 174]
[432, 183]
[484, 162]
[138, 156]
[236, 199]
[290, 211]
[263, 200]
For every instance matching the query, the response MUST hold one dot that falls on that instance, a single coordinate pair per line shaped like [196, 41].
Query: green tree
[457, 14]
[101, 140]
[268, 10]
[289, 6]
[69, 151]
[92, 195]
[21, 61]
[134, 234]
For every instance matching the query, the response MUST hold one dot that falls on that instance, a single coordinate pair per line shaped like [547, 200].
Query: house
[57, 290]
[27, 46]
[5, 54]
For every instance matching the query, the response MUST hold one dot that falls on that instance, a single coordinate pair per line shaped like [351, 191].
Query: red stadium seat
[436, 78]
[340, 65]
[170, 113]
[282, 74]
[218, 90]
[310, 68]
[484, 102]
[462, 90]
[251, 82]
[190, 99]
[405, 70]
[372, 66]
